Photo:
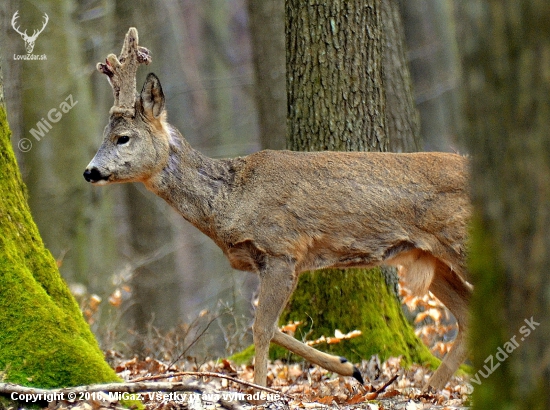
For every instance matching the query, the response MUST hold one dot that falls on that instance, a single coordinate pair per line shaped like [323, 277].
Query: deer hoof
[356, 373]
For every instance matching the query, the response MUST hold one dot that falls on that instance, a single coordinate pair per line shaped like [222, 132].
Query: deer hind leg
[417, 269]
[454, 293]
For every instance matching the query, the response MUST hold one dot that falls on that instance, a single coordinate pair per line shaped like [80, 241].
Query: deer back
[348, 209]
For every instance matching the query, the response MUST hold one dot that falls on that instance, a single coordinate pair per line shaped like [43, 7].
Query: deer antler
[121, 72]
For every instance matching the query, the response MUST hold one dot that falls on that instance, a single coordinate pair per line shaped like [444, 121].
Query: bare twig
[385, 386]
[197, 337]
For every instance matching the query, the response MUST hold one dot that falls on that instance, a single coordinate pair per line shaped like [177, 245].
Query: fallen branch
[210, 374]
[136, 386]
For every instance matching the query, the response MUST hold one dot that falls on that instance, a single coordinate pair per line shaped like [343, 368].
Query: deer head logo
[29, 40]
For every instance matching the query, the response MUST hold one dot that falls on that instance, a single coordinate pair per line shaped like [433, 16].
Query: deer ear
[152, 97]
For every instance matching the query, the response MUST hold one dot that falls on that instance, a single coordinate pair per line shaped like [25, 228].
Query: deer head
[135, 141]
[29, 40]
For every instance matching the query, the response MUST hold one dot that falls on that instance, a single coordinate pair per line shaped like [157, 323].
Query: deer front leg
[277, 282]
[330, 362]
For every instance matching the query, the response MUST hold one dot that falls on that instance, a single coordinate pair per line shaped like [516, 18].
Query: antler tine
[121, 72]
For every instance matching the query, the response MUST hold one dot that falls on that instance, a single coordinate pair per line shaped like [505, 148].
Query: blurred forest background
[139, 270]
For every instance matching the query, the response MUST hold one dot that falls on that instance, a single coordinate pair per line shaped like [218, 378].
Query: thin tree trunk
[506, 59]
[156, 284]
[434, 63]
[336, 101]
[267, 32]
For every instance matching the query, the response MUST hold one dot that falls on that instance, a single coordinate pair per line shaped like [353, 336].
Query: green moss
[244, 357]
[44, 340]
[354, 299]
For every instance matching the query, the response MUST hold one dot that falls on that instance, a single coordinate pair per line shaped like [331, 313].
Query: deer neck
[195, 185]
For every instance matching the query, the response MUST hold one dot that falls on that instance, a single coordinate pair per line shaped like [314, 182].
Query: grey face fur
[134, 147]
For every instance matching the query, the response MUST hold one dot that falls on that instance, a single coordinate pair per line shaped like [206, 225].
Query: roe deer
[279, 213]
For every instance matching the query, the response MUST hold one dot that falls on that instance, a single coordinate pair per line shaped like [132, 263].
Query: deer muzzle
[95, 176]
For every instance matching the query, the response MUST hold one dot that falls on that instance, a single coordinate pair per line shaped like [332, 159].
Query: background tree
[267, 32]
[44, 340]
[77, 231]
[337, 101]
[435, 68]
[506, 61]
[402, 117]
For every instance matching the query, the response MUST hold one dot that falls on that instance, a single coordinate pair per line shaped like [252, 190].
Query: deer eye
[122, 140]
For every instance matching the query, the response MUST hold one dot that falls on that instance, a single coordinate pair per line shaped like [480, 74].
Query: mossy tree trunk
[337, 101]
[44, 340]
[506, 66]
[78, 231]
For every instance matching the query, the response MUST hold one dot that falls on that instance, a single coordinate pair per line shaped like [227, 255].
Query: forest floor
[223, 384]
[389, 386]
[301, 386]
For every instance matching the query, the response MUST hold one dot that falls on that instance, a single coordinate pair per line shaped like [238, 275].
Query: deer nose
[93, 175]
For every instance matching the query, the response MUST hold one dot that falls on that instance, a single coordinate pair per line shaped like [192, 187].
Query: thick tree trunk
[336, 101]
[334, 76]
[506, 60]
[44, 340]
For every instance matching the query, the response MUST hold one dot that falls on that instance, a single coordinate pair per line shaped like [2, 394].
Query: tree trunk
[267, 32]
[434, 63]
[506, 60]
[155, 281]
[44, 340]
[336, 101]
[73, 218]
